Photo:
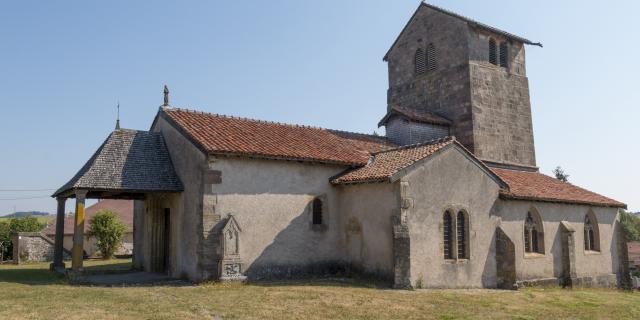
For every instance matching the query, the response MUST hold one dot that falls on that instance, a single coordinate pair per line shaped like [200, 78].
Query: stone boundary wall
[600, 281]
[33, 247]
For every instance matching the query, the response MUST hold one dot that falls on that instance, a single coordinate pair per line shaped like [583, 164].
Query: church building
[451, 197]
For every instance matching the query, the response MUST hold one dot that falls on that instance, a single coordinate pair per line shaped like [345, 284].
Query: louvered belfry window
[431, 57]
[493, 54]
[448, 234]
[419, 60]
[461, 227]
[504, 55]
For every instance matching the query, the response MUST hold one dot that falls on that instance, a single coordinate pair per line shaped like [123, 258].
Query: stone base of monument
[233, 279]
[231, 270]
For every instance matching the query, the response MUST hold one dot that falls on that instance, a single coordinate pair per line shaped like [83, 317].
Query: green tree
[26, 224]
[631, 224]
[108, 230]
[560, 174]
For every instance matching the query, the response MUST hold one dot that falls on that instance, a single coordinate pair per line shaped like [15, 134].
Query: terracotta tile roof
[415, 115]
[124, 209]
[219, 134]
[526, 185]
[128, 160]
[385, 164]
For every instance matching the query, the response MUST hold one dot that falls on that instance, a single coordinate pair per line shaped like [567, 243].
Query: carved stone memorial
[231, 267]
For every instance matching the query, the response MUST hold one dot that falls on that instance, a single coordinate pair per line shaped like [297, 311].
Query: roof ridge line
[421, 144]
[265, 121]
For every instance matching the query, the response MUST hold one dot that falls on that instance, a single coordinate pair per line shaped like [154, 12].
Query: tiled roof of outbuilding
[526, 185]
[128, 160]
[415, 115]
[122, 208]
[217, 134]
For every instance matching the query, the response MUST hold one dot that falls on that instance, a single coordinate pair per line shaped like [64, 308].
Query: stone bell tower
[449, 75]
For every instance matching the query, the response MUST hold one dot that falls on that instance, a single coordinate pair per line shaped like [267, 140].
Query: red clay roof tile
[219, 134]
[387, 163]
[526, 185]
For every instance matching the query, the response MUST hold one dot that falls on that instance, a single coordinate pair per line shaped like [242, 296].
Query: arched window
[455, 233]
[591, 234]
[504, 55]
[462, 235]
[419, 60]
[533, 234]
[448, 235]
[493, 54]
[431, 57]
[317, 211]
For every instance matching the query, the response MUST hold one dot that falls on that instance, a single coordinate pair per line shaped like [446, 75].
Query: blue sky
[64, 65]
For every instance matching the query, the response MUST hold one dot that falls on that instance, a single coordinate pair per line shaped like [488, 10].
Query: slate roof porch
[129, 165]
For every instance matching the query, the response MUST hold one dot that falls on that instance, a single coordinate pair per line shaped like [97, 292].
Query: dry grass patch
[31, 292]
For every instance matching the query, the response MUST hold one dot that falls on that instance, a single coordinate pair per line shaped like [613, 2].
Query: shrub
[5, 240]
[26, 224]
[108, 230]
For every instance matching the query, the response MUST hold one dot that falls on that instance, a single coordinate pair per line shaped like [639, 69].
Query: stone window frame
[431, 58]
[419, 62]
[503, 54]
[455, 258]
[591, 227]
[324, 214]
[465, 229]
[493, 52]
[529, 226]
[448, 234]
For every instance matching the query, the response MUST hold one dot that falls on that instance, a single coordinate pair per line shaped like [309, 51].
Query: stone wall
[271, 202]
[451, 181]
[366, 228]
[596, 268]
[186, 208]
[489, 105]
[502, 124]
[33, 247]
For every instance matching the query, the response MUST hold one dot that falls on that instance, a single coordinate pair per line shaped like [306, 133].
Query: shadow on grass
[111, 268]
[35, 276]
[39, 273]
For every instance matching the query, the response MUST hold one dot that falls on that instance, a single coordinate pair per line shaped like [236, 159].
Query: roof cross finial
[118, 117]
[166, 96]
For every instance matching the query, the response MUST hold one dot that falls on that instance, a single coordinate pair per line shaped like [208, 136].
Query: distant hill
[21, 214]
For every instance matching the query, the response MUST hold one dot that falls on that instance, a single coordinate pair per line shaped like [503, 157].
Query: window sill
[533, 255]
[456, 261]
[592, 253]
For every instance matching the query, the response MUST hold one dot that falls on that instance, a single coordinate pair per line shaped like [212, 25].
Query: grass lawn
[31, 292]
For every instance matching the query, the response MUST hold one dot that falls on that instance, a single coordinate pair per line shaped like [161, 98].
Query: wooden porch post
[78, 232]
[58, 261]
